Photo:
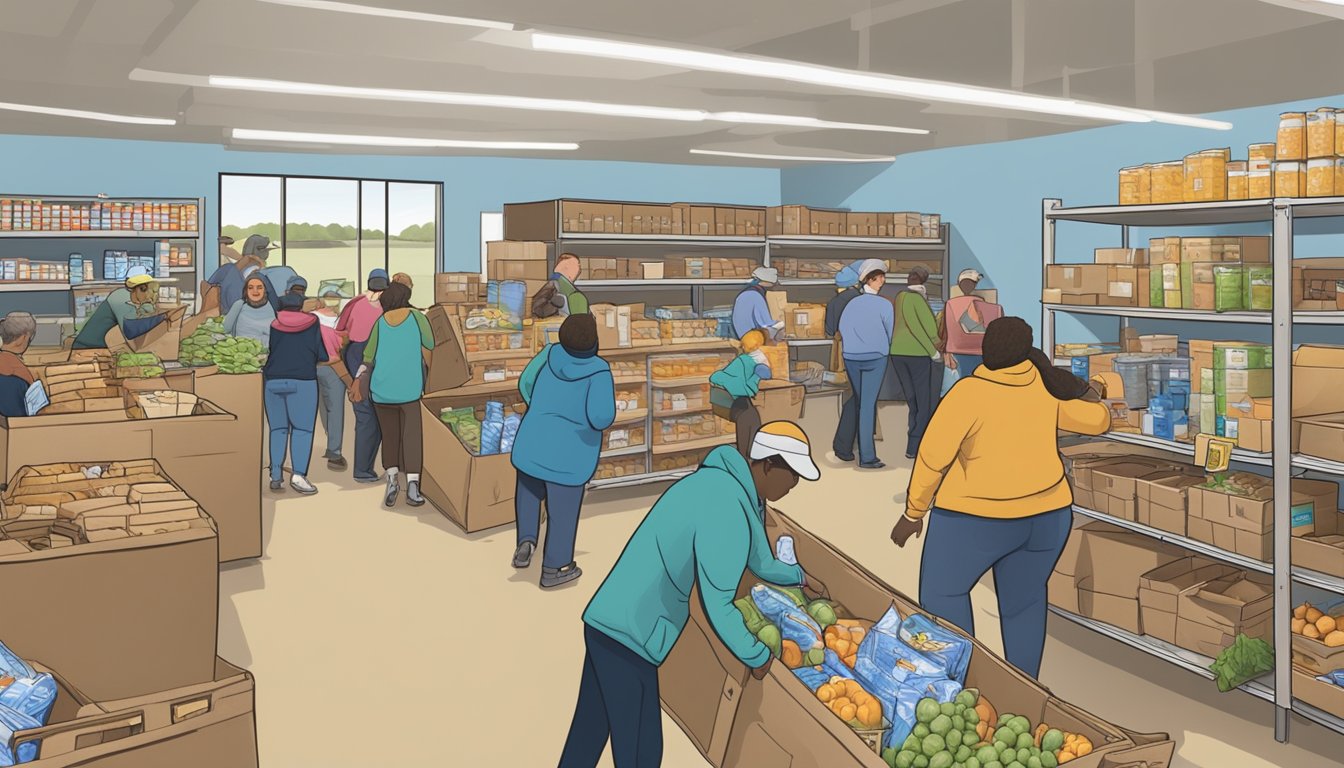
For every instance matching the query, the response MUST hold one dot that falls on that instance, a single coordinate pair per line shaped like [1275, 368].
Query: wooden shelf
[685, 381]
[105, 234]
[684, 412]
[627, 417]
[691, 445]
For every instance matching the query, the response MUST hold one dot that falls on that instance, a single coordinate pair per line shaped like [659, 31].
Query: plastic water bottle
[784, 550]
[511, 424]
[494, 410]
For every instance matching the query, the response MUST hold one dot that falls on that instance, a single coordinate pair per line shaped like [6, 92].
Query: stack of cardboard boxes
[1318, 402]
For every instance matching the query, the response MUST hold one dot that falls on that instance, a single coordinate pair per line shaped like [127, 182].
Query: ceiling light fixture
[303, 137]
[539, 104]
[792, 158]
[891, 85]
[86, 115]
[391, 13]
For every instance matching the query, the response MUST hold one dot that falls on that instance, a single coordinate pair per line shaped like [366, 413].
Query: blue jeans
[966, 364]
[618, 700]
[959, 549]
[865, 379]
[563, 503]
[916, 377]
[291, 410]
[847, 431]
[368, 435]
[333, 393]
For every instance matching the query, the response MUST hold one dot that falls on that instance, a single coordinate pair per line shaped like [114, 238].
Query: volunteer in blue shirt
[750, 310]
[847, 288]
[705, 532]
[866, 326]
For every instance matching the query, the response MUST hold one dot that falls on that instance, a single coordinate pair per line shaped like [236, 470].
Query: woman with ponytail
[989, 478]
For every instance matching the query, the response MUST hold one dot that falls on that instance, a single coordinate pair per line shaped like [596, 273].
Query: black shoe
[554, 577]
[522, 556]
[329, 455]
[278, 486]
[844, 457]
[337, 463]
[413, 496]
[367, 479]
[872, 465]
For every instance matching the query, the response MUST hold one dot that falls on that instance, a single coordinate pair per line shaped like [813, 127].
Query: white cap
[766, 275]
[138, 275]
[787, 441]
[869, 266]
[970, 274]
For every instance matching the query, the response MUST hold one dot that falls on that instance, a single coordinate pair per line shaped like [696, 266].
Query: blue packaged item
[949, 649]
[887, 690]
[940, 690]
[1081, 367]
[11, 722]
[13, 666]
[834, 667]
[793, 622]
[812, 677]
[1333, 678]
[887, 652]
[511, 424]
[33, 696]
[1160, 404]
[492, 434]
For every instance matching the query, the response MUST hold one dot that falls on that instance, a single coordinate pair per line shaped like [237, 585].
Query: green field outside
[415, 259]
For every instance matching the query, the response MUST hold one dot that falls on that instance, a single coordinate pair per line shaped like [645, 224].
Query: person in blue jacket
[866, 326]
[735, 384]
[571, 398]
[847, 288]
[750, 308]
[290, 398]
[704, 532]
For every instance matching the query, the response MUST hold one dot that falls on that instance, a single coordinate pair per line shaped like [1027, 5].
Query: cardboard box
[587, 217]
[1160, 591]
[652, 270]
[210, 724]
[1317, 371]
[1078, 279]
[736, 722]
[779, 400]
[1321, 436]
[126, 616]
[1252, 434]
[518, 270]
[702, 220]
[1081, 300]
[1324, 696]
[1114, 561]
[514, 250]
[805, 321]
[448, 360]
[1052, 296]
[646, 219]
[1210, 618]
[235, 507]
[1115, 484]
[1128, 256]
[1323, 549]
[613, 325]
[163, 340]
[1062, 592]
[475, 492]
[1121, 612]
[1161, 501]
[788, 220]
[828, 222]
[458, 287]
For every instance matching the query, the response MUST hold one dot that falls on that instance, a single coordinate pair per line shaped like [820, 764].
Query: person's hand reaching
[905, 528]
[760, 672]
[814, 589]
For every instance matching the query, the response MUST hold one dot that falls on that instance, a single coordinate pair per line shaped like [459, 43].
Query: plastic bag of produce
[793, 622]
[950, 650]
[884, 649]
[907, 701]
[33, 696]
[11, 722]
[13, 666]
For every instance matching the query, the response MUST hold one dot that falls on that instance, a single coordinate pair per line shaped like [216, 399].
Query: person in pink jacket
[963, 324]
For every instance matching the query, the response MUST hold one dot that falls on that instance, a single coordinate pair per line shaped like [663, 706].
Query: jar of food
[1292, 143]
[1136, 185]
[1290, 180]
[1321, 177]
[1321, 133]
[1339, 175]
[1238, 187]
[1205, 176]
[1168, 182]
[1261, 152]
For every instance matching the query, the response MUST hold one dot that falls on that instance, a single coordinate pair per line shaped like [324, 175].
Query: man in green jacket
[913, 351]
[704, 532]
[566, 273]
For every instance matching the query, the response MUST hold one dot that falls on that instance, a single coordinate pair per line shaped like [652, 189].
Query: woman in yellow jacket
[989, 478]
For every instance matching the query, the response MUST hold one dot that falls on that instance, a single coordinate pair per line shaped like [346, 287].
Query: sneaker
[367, 479]
[872, 465]
[393, 490]
[554, 577]
[413, 496]
[301, 484]
[910, 456]
[278, 486]
[522, 556]
[337, 463]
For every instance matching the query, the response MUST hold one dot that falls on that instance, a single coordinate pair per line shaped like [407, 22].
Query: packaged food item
[1292, 137]
[1321, 177]
[951, 650]
[1264, 152]
[1321, 133]
[793, 622]
[1168, 182]
[1259, 182]
[1205, 176]
[1237, 181]
[1229, 291]
[1290, 179]
[1136, 185]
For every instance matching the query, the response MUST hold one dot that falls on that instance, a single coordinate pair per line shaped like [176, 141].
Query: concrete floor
[384, 637]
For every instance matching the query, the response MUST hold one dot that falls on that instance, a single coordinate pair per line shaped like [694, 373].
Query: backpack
[548, 301]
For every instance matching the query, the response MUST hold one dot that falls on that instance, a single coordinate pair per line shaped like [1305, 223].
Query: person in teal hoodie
[570, 398]
[704, 532]
[735, 384]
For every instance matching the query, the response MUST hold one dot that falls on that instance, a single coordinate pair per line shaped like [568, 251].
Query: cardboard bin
[124, 616]
[1160, 592]
[1209, 619]
[211, 724]
[1322, 436]
[779, 400]
[476, 492]
[1115, 560]
[1316, 376]
[1323, 549]
[1163, 503]
[1063, 587]
[1315, 656]
[240, 521]
[1115, 484]
[1318, 694]
[163, 340]
[738, 722]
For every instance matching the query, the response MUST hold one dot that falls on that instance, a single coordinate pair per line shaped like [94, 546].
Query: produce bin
[476, 492]
[211, 724]
[124, 616]
[736, 721]
[239, 394]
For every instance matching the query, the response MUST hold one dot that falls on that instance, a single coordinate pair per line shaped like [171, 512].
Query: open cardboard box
[1323, 549]
[736, 721]
[476, 492]
[1324, 696]
[210, 724]
[162, 340]
[779, 400]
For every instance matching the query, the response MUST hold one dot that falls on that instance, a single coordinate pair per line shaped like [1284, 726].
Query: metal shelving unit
[1249, 563]
[1280, 213]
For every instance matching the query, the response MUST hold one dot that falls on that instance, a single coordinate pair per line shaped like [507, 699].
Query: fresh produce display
[851, 703]
[1245, 659]
[822, 612]
[464, 424]
[955, 735]
[137, 365]
[844, 637]
[209, 344]
[1246, 484]
[787, 615]
[1310, 621]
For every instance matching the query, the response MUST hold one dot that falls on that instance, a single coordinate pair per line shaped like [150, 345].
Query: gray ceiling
[1190, 56]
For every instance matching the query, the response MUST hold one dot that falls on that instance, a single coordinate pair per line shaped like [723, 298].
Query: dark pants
[916, 377]
[865, 379]
[959, 549]
[847, 431]
[618, 700]
[563, 503]
[367, 433]
[404, 442]
[747, 421]
[966, 364]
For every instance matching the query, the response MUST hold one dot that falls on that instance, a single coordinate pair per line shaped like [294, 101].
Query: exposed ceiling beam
[78, 16]
[1320, 7]
[894, 11]
[166, 27]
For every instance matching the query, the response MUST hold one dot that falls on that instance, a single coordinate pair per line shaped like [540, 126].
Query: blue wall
[40, 165]
[992, 196]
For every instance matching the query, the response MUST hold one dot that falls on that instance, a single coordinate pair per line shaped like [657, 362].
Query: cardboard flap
[448, 360]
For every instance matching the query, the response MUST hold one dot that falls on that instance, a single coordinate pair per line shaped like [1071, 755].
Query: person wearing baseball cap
[705, 531]
[133, 307]
[866, 326]
[750, 309]
[962, 325]
[356, 324]
[847, 287]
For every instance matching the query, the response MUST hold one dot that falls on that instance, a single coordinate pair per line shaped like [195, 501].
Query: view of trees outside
[337, 228]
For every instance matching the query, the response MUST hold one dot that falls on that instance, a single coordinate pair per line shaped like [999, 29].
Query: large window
[338, 229]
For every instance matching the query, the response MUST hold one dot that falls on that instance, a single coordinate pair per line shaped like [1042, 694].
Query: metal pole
[1048, 258]
[1283, 461]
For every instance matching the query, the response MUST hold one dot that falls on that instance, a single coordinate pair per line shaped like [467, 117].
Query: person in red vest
[961, 329]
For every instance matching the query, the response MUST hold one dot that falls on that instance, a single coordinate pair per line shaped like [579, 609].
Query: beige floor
[392, 638]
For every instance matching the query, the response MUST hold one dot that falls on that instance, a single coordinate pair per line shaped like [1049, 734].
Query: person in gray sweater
[251, 316]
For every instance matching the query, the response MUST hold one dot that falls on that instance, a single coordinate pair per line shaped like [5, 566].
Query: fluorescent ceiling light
[251, 134]
[889, 85]
[391, 13]
[539, 104]
[85, 115]
[794, 158]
